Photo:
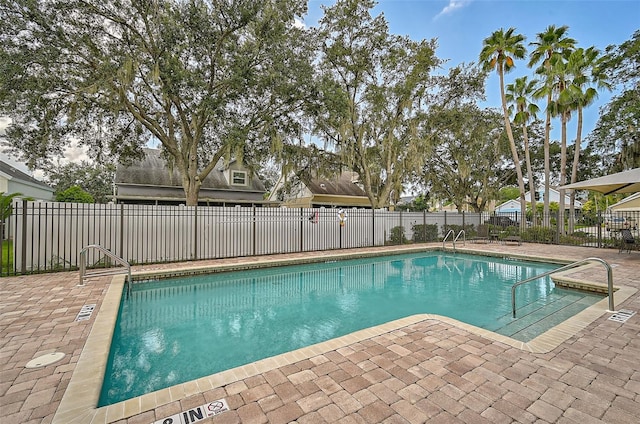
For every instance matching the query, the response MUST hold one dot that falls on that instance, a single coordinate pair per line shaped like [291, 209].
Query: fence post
[253, 230]
[121, 247]
[195, 232]
[373, 227]
[444, 228]
[401, 229]
[599, 228]
[23, 247]
[301, 228]
[424, 225]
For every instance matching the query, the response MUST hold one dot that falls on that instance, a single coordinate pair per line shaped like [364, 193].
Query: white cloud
[298, 23]
[72, 153]
[75, 153]
[7, 158]
[4, 123]
[452, 7]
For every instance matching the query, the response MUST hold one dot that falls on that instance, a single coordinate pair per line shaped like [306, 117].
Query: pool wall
[79, 402]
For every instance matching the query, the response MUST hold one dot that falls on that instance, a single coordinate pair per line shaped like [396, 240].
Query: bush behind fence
[48, 236]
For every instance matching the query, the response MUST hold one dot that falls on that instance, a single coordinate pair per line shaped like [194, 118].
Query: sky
[460, 26]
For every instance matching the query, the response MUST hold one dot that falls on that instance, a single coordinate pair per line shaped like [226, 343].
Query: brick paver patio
[427, 371]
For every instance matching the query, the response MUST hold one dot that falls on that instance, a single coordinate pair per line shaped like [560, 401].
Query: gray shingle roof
[341, 186]
[153, 171]
[12, 172]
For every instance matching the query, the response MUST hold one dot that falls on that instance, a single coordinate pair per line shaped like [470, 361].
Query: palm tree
[6, 209]
[6, 205]
[562, 106]
[583, 67]
[548, 44]
[498, 52]
[518, 94]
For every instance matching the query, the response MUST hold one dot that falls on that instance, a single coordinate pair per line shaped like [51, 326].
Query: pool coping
[79, 402]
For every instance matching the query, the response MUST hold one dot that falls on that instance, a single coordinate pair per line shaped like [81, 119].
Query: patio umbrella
[622, 182]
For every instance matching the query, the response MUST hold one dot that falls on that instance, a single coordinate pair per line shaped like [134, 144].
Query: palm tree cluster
[567, 77]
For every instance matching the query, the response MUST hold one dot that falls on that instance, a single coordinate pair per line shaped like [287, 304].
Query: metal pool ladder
[451, 232]
[104, 271]
[571, 265]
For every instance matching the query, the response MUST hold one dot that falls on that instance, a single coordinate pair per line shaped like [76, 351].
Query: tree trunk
[563, 173]
[191, 181]
[514, 151]
[574, 171]
[547, 170]
[532, 184]
[192, 194]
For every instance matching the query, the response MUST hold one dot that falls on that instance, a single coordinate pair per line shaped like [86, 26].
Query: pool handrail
[464, 238]
[106, 252]
[566, 267]
[450, 232]
[455, 238]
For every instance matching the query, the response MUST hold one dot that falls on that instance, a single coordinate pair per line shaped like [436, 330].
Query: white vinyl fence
[48, 236]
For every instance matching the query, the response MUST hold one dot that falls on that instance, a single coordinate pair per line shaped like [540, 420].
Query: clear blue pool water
[176, 330]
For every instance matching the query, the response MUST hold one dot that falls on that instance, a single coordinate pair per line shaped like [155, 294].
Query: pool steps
[541, 313]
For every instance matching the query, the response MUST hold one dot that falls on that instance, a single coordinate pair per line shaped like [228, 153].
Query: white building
[628, 204]
[13, 180]
[513, 205]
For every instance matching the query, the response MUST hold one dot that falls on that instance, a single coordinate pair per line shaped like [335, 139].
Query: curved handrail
[571, 265]
[455, 238]
[83, 264]
[447, 236]
[464, 238]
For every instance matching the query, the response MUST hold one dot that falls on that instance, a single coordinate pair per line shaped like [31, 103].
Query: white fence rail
[49, 235]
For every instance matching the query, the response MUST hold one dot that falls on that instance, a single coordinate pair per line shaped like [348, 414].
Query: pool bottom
[177, 330]
[78, 404]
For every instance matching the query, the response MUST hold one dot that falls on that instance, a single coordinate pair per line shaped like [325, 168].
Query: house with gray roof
[511, 206]
[152, 181]
[12, 180]
[342, 191]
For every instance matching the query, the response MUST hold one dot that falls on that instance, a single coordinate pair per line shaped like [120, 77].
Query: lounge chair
[627, 242]
[512, 239]
[482, 234]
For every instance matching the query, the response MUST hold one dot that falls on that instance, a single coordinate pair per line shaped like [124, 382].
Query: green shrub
[539, 234]
[510, 231]
[571, 240]
[425, 233]
[74, 194]
[397, 235]
[577, 238]
[469, 231]
[583, 234]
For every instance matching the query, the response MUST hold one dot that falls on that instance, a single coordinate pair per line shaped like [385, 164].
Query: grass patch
[7, 257]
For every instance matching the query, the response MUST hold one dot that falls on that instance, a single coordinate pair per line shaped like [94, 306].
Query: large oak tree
[617, 134]
[207, 80]
[375, 88]
[466, 165]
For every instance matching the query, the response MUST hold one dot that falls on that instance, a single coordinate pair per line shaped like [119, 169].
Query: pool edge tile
[92, 360]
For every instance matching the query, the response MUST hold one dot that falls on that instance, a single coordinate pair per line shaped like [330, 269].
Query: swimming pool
[171, 331]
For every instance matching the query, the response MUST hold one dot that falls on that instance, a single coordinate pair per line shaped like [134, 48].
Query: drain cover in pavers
[622, 315]
[44, 360]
